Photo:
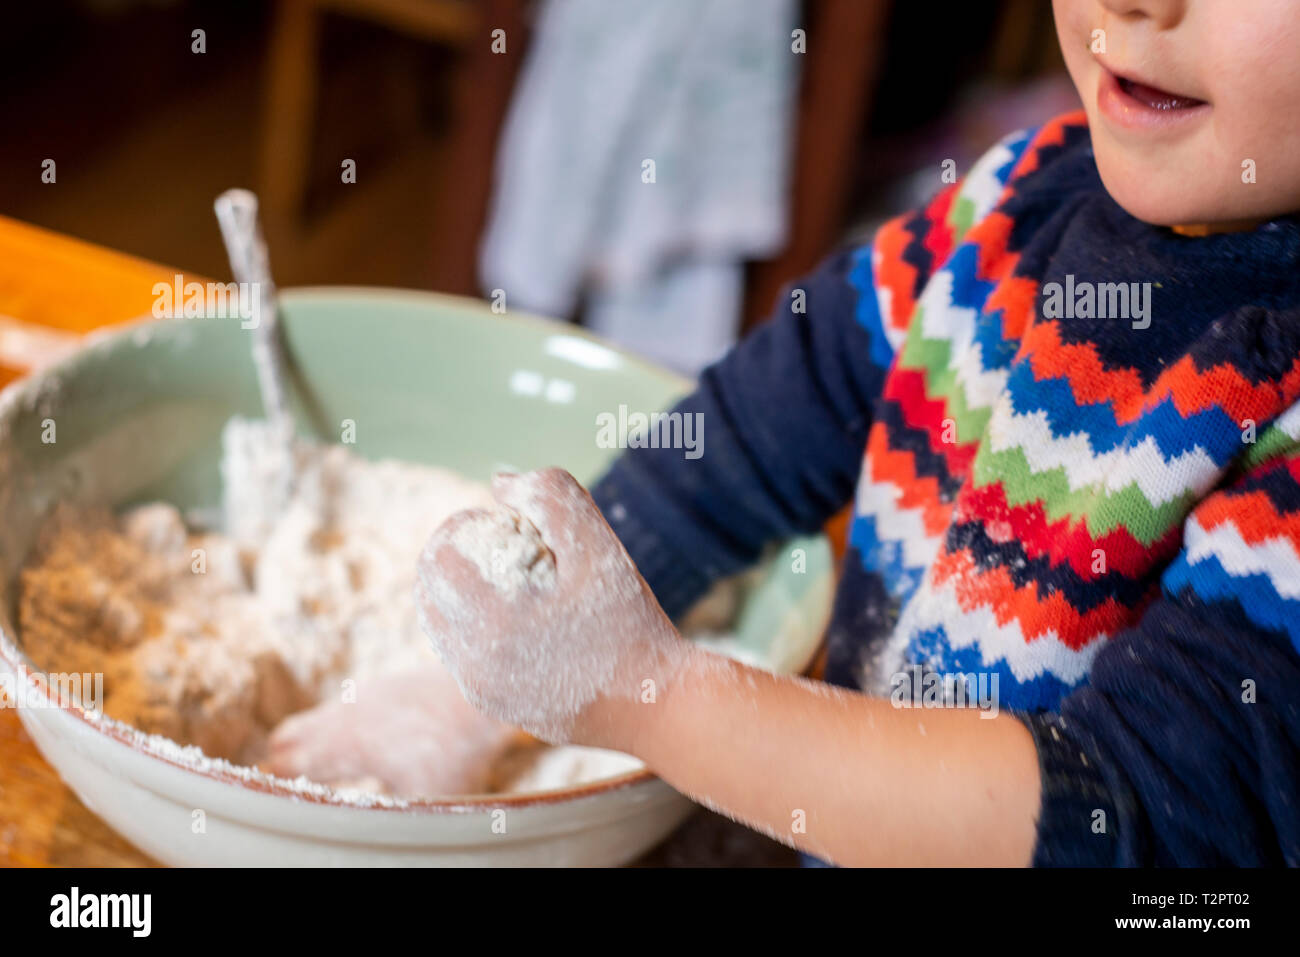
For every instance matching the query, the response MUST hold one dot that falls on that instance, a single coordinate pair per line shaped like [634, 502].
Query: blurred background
[501, 144]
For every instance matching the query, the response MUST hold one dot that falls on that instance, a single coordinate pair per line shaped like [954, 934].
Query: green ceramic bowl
[137, 416]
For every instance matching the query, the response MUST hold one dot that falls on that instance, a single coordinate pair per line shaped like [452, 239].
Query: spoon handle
[241, 231]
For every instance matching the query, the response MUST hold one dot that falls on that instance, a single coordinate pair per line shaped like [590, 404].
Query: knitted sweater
[1081, 477]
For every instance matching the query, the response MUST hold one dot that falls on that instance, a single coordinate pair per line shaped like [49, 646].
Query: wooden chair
[290, 111]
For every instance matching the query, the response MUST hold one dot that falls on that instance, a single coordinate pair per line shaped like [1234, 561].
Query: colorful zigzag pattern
[1023, 496]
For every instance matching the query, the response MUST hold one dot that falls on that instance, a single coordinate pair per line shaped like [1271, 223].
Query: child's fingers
[502, 485]
[552, 499]
[491, 542]
[291, 748]
[445, 532]
[285, 761]
[531, 496]
[442, 562]
[448, 587]
[286, 736]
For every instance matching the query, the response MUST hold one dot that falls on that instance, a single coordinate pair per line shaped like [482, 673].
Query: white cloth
[705, 89]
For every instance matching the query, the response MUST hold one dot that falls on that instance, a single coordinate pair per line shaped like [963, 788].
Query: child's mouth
[1137, 105]
[1156, 99]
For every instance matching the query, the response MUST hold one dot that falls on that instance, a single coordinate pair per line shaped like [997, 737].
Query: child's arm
[1183, 749]
[568, 642]
[848, 778]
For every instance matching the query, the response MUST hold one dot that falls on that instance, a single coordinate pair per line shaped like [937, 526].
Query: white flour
[508, 552]
[212, 639]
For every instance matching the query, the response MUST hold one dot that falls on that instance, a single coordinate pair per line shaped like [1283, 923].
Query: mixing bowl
[137, 415]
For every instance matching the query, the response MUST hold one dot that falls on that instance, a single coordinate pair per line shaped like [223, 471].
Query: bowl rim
[262, 782]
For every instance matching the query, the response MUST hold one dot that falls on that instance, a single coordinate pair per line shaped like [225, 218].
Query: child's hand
[411, 733]
[540, 614]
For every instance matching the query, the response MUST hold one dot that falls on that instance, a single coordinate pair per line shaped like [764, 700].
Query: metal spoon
[241, 232]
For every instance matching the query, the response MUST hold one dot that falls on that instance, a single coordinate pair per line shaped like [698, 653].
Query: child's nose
[1166, 14]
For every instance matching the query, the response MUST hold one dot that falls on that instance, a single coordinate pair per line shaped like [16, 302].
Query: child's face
[1189, 101]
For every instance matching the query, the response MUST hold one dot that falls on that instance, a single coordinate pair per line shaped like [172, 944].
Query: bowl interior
[137, 416]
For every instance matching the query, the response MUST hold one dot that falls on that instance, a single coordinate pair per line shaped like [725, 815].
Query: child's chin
[1161, 198]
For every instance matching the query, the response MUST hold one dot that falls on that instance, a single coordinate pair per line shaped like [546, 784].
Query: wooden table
[53, 290]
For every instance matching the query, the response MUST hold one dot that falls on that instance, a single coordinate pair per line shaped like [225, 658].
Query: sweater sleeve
[784, 420]
[1184, 747]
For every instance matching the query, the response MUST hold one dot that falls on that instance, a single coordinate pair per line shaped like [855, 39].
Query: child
[1075, 375]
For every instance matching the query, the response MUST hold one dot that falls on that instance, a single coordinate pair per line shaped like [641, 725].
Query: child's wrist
[625, 717]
